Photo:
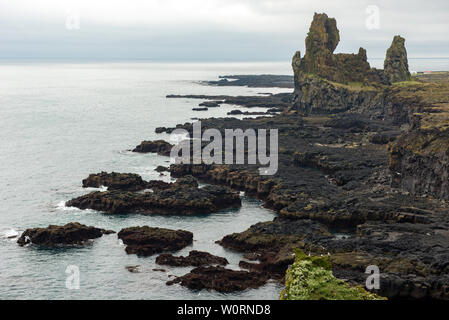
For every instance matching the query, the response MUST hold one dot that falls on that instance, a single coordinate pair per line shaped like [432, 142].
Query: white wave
[61, 206]
[126, 152]
[101, 188]
[9, 233]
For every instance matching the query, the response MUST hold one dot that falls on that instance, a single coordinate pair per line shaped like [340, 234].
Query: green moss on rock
[311, 278]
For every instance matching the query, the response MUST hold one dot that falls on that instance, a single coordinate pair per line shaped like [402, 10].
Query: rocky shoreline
[362, 152]
[374, 169]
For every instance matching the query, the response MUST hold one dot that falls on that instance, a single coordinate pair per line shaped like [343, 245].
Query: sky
[213, 30]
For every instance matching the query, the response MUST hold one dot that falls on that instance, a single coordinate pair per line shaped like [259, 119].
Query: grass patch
[311, 278]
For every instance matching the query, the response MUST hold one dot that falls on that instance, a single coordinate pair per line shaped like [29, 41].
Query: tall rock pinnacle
[320, 60]
[321, 41]
[396, 64]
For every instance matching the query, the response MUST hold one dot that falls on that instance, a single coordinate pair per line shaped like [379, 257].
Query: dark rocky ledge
[220, 279]
[146, 241]
[69, 234]
[210, 104]
[279, 100]
[180, 198]
[258, 81]
[195, 258]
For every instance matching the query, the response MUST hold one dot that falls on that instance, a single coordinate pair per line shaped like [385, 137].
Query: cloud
[201, 28]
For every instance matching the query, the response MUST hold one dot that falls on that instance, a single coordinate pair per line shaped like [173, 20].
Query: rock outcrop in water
[115, 181]
[396, 63]
[146, 241]
[69, 234]
[183, 197]
[257, 81]
[160, 147]
[220, 279]
[195, 258]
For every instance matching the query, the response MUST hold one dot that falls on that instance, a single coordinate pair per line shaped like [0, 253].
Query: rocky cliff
[328, 83]
[419, 157]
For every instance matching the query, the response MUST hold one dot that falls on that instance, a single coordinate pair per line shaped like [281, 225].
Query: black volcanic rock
[279, 100]
[180, 198]
[115, 181]
[259, 81]
[160, 147]
[419, 162]
[69, 234]
[220, 279]
[160, 129]
[210, 104]
[195, 258]
[161, 169]
[146, 241]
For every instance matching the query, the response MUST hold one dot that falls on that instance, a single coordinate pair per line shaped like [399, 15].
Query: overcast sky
[212, 30]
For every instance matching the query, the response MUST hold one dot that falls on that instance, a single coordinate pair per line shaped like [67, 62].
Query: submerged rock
[133, 269]
[71, 233]
[220, 279]
[146, 241]
[195, 258]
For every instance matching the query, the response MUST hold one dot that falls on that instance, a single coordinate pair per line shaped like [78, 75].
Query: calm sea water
[61, 121]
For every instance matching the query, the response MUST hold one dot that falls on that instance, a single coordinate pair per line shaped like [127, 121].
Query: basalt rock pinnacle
[327, 83]
[396, 64]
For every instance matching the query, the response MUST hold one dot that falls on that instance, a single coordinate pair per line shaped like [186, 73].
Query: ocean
[61, 121]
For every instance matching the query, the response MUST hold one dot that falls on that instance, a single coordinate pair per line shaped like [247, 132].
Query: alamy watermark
[72, 20]
[373, 280]
[372, 21]
[72, 281]
[259, 149]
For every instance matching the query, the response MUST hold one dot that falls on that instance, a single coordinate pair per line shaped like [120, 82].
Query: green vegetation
[311, 278]
[406, 83]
